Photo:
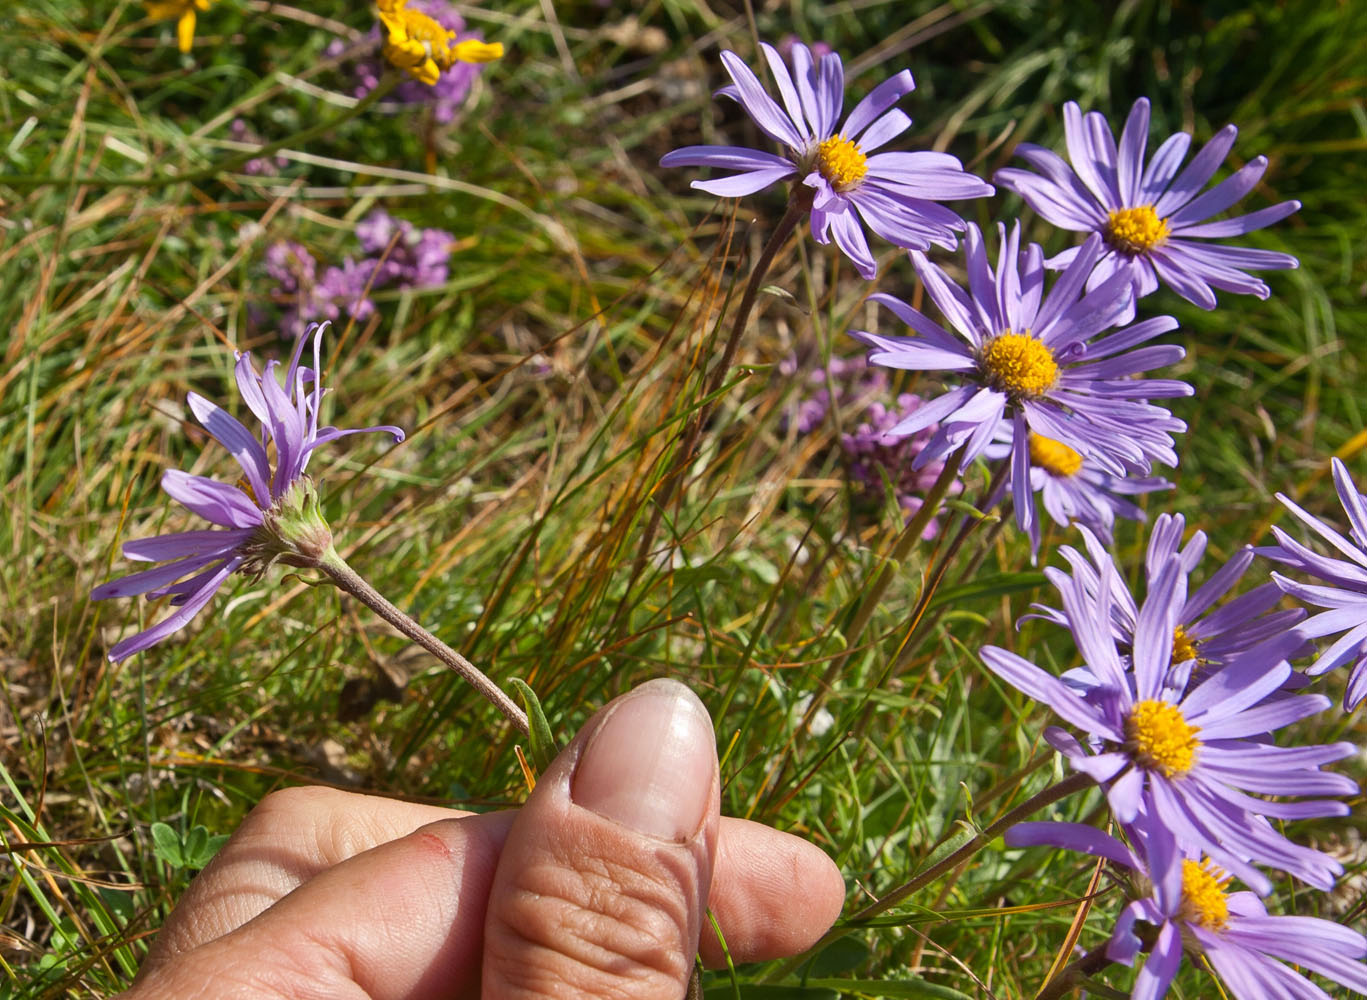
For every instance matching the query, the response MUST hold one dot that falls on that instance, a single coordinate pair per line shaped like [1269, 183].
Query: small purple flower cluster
[261, 166]
[446, 97]
[398, 255]
[873, 458]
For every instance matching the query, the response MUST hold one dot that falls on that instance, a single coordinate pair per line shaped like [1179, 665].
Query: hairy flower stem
[799, 204]
[387, 83]
[348, 580]
[1075, 782]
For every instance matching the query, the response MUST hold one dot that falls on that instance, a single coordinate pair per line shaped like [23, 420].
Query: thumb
[602, 884]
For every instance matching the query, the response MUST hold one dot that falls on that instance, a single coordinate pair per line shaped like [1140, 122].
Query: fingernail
[650, 764]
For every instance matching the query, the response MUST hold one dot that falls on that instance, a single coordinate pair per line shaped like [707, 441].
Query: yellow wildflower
[182, 12]
[417, 43]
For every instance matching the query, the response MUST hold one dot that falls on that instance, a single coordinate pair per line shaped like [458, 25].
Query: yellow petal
[185, 30]
[472, 50]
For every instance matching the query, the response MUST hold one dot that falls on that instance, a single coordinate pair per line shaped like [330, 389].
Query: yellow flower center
[1183, 646]
[1135, 231]
[419, 44]
[841, 162]
[1203, 895]
[1157, 736]
[1054, 457]
[1018, 364]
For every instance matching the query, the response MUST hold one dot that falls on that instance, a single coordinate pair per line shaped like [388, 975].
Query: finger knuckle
[620, 929]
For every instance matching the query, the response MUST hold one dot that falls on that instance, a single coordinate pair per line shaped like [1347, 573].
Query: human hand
[595, 888]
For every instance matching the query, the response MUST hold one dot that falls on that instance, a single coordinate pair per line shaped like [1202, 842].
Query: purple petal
[786, 90]
[1160, 968]
[1162, 168]
[1223, 195]
[1072, 837]
[1241, 224]
[1035, 683]
[849, 236]
[229, 432]
[1130, 158]
[214, 501]
[879, 99]
[1201, 169]
[759, 105]
[184, 543]
[177, 619]
[152, 579]
[882, 131]
[1091, 150]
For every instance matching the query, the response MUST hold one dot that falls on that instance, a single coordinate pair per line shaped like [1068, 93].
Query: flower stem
[1073, 783]
[799, 204]
[1071, 976]
[348, 580]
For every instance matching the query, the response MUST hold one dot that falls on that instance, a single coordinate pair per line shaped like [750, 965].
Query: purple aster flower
[1203, 639]
[1345, 599]
[1190, 758]
[1150, 218]
[1187, 899]
[242, 132]
[1030, 363]
[895, 194]
[1075, 491]
[269, 515]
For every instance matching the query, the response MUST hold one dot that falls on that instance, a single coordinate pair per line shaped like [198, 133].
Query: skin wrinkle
[608, 919]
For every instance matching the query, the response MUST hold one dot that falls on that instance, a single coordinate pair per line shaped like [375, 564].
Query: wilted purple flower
[1029, 363]
[269, 515]
[416, 259]
[292, 266]
[1190, 759]
[446, 96]
[842, 382]
[1187, 899]
[895, 194]
[1345, 599]
[1150, 216]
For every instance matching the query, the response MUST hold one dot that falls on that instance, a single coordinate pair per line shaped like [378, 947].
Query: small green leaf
[166, 845]
[543, 743]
